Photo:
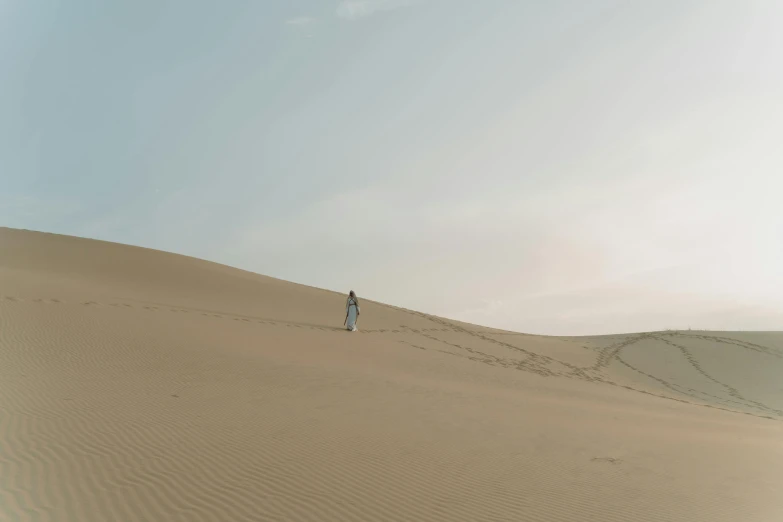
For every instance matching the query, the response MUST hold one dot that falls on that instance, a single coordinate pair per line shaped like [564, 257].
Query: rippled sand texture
[137, 385]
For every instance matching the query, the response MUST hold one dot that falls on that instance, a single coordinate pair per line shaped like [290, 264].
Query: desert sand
[137, 385]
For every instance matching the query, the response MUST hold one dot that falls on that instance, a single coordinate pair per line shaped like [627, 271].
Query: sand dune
[137, 385]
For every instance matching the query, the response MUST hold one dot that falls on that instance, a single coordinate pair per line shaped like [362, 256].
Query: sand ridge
[140, 385]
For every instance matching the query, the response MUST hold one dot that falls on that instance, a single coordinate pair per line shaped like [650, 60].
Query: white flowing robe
[352, 311]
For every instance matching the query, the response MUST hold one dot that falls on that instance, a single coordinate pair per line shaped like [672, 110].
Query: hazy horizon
[563, 169]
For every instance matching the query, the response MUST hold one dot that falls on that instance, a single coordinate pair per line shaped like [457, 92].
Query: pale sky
[559, 167]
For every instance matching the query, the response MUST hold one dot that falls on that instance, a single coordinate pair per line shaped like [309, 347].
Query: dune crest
[137, 385]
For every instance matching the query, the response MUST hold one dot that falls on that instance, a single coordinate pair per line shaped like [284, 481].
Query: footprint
[609, 460]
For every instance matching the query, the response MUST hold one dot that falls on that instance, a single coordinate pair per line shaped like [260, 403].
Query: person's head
[351, 294]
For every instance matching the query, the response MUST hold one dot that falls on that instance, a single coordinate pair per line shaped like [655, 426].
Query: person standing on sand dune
[351, 311]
